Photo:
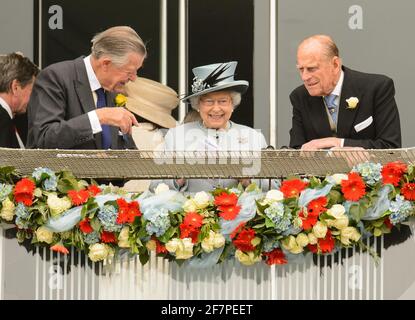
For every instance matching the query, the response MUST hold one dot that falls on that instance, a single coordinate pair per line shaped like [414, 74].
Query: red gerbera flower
[93, 190]
[392, 172]
[237, 229]
[313, 248]
[309, 221]
[276, 256]
[354, 187]
[193, 219]
[327, 244]
[187, 231]
[108, 237]
[160, 247]
[23, 191]
[388, 223]
[225, 199]
[127, 211]
[243, 240]
[292, 188]
[229, 212]
[408, 191]
[317, 206]
[59, 247]
[78, 197]
[85, 226]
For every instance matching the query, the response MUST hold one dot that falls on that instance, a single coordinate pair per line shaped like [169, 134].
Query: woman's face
[216, 109]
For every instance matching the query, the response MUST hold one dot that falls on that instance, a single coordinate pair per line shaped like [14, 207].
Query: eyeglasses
[211, 102]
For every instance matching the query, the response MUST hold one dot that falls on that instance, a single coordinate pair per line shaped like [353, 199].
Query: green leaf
[269, 223]
[95, 224]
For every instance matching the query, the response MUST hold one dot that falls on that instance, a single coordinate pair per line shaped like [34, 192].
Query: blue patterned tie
[106, 130]
[331, 105]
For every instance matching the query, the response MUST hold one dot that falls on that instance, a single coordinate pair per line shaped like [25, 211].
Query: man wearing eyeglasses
[72, 104]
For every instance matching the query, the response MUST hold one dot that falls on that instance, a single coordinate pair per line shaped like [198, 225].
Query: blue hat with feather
[216, 77]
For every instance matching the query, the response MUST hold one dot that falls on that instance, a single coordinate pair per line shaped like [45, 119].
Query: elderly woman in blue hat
[215, 95]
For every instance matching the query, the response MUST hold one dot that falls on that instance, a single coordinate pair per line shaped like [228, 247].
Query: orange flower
[229, 212]
[127, 211]
[354, 187]
[59, 247]
[392, 172]
[193, 219]
[237, 229]
[276, 256]
[408, 191]
[93, 190]
[309, 221]
[317, 206]
[327, 244]
[108, 237]
[85, 226]
[243, 240]
[23, 191]
[225, 199]
[292, 188]
[78, 197]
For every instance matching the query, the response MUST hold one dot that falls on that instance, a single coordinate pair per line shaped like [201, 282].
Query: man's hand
[117, 117]
[323, 143]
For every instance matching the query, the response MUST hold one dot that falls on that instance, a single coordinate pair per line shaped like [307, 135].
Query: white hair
[235, 97]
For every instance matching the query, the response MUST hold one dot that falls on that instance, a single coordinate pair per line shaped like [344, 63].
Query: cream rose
[7, 210]
[201, 200]
[213, 241]
[123, 237]
[247, 258]
[288, 243]
[43, 234]
[172, 245]
[302, 240]
[320, 229]
[58, 205]
[151, 245]
[336, 211]
[99, 252]
[185, 249]
[190, 206]
[341, 222]
[338, 177]
[349, 233]
[312, 239]
[352, 102]
[161, 187]
[274, 195]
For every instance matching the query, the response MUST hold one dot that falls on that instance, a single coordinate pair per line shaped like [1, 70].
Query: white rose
[185, 249]
[349, 233]
[43, 234]
[58, 205]
[274, 195]
[320, 229]
[312, 239]
[7, 210]
[219, 240]
[337, 178]
[352, 102]
[172, 245]
[336, 211]
[341, 223]
[201, 200]
[302, 239]
[189, 206]
[123, 238]
[99, 252]
[247, 258]
[296, 249]
[161, 187]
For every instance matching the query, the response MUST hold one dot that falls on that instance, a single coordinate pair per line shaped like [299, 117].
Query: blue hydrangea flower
[92, 237]
[270, 244]
[282, 220]
[38, 172]
[49, 178]
[21, 211]
[22, 223]
[400, 209]
[370, 172]
[107, 215]
[5, 190]
[50, 184]
[158, 222]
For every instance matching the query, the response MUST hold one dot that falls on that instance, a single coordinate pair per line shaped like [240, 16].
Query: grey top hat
[216, 77]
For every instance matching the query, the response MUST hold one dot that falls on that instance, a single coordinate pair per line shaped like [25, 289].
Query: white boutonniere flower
[352, 102]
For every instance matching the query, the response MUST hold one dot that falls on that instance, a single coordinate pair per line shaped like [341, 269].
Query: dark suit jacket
[58, 107]
[8, 137]
[376, 99]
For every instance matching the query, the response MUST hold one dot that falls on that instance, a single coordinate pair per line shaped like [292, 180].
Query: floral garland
[318, 215]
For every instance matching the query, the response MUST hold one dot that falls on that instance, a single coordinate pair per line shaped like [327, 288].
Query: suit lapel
[318, 117]
[346, 117]
[84, 92]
